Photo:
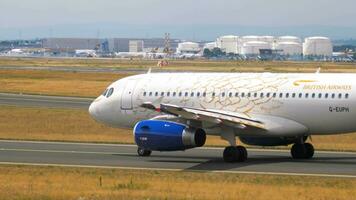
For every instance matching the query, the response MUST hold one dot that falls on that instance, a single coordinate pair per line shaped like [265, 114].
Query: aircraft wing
[212, 116]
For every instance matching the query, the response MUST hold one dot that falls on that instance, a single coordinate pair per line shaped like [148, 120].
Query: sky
[190, 19]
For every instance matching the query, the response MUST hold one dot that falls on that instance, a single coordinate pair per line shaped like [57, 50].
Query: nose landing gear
[143, 152]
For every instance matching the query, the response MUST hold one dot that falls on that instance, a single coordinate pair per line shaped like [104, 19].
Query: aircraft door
[126, 97]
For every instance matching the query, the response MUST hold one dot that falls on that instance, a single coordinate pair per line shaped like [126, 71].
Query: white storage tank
[317, 46]
[250, 38]
[267, 38]
[210, 45]
[289, 48]
[188, 47]
[228, 43]
[289, 39]
[253, 47]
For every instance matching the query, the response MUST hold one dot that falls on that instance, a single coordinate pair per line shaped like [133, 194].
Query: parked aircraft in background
[175, 111]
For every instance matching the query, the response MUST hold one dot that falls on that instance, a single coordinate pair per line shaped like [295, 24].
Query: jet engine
[167, 136]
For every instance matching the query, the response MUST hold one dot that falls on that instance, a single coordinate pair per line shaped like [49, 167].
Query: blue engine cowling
[167, 136]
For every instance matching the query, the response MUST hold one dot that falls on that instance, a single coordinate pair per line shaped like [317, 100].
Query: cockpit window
[105, 92]
[110, 92]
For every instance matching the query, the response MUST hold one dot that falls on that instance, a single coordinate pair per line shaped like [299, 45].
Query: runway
[328, 164]
[44, 101]
[124, 156]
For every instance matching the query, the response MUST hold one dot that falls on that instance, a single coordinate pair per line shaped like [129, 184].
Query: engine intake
[167, 136]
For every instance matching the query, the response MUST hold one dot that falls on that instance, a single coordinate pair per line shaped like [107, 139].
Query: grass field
[77, 125]
[184, 65]
[56, 83]
[24, 182]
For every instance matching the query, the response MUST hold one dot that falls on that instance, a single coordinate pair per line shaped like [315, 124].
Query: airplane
[176, 111]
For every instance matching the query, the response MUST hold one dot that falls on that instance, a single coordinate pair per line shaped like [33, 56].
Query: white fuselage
[323, 103]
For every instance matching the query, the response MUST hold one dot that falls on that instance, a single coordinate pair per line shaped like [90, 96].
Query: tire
[231, 154]
[298, 151]
[243, 153]
[143, 152]
[309, 150]
[302, 151]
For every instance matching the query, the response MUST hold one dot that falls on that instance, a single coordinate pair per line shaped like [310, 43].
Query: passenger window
[320, 95]
[346, 96]
[144, 94]
[268, 94]
[254, 95]
[236, 94]
[213, 94]
[274, 95]
[243, 94]
[230, 94]
[287, 95]
[156, 94]
[249, 94]
[293, 95]
[313, 95]
[326, 95]
[150, 94]
[198, 94]
[333, 96]
[110, 92]
[168, 94]
[300, 95]
[204, 94]
[174, 94]
[192, 94]
[223, 94]
[306, 95]
[261, 95]
[186, 94]
[280, 95]
[180, 94]
[340, 96]
[162, 94]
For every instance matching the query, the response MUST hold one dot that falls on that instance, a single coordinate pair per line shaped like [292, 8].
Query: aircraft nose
[92, 110]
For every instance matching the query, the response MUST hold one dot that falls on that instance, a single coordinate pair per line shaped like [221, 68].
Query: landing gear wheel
[302, 151]
[243, 153]
[143, 152]
[235, 154]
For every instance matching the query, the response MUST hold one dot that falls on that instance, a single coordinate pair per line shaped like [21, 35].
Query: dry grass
[56, 83]
[24, 182]
[77, 125]
[191, 65]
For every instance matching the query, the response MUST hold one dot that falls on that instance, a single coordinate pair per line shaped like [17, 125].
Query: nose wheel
[302, 151]
[235, 154]
[143, 152]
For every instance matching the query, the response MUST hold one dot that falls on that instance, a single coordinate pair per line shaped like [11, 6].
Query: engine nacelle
[270, 141]
[167, 136]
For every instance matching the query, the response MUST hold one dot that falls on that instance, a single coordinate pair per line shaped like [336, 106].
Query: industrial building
[106, 45]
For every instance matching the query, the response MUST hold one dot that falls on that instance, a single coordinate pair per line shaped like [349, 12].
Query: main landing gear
[302, 151]
[235, 154]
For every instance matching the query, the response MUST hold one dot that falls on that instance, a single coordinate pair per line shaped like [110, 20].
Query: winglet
[149, 70]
